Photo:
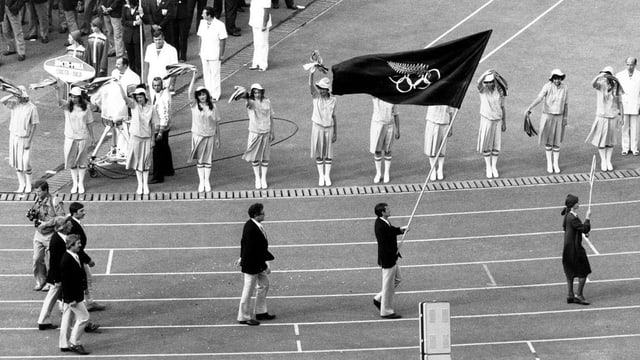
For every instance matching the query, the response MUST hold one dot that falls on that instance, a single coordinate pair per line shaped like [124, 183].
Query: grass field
[165, 267]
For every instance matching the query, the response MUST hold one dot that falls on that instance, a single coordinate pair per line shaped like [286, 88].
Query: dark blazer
[185, 9]
[57, 248]
[116, 7]
[387, 243]
[130, 33]
[77, 229]
[14, 6]
[73, 279]
[254, 249]
[69, 5]
[2, 10]
[153, 12]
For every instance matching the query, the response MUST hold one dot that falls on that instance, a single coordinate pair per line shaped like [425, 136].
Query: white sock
[378, 163]
[387, 167]
[206, 175]
[21, 181]
[145, 182]
[263, 178]
[74, 179]
[320, 166]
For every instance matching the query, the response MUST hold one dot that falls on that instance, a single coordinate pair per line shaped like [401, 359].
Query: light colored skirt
[139, 154]
[380, 137]
[550, 130]
[19, 158]
[489, 135]
[258, 147]
[602, 132]
[321, 142]
[201, 149]
[434, 135]
[75, 153]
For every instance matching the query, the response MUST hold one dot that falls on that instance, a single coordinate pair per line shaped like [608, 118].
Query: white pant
[87, 292]
[390, 281]
[49, 302]
[79, 310]
[260, 48]
[211, 77]
[630, 133]
[258, 283]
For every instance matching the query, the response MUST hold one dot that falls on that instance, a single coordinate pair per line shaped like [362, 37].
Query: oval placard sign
[69, 69]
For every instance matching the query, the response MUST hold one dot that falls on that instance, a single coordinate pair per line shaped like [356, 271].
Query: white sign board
[435, 331]
[69, 69]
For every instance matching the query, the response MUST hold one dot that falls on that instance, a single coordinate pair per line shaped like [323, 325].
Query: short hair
[124, 60]
[74, 207]
[255, 210]
[633, 59]
[97, 22]
[157, 78]
[72, 239]
[157, 34]
[42, 185]
[210, 11]
[380, 207]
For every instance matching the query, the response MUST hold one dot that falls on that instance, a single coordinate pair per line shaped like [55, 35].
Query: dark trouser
[162, 161]
[181, 30]
[200, 5]
[230, 13]
[90, 12]
[134, 56]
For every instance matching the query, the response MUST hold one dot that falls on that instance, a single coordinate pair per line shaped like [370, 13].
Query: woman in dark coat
[574, 257]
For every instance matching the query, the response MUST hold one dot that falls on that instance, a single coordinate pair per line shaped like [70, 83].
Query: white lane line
[364, 268]
[533, 350]
[296, 329]
[357, 243]
[343, 219]
[460, 23]
[491, 279]
[299, 345]
[346, 295]
[521, 31]
[593, 248]
[109, 262]
[355, 322]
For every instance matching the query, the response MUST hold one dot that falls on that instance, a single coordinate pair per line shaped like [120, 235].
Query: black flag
[438, 75]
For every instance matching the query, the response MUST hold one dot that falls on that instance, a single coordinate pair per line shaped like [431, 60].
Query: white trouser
[79, 310]
[390, 281]
[260, 48]
[258, 283]
[89, 290]
[630, 133]
[49, 302]
[211, 77]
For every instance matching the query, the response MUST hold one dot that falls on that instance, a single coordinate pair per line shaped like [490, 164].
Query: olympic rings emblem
[412, 76]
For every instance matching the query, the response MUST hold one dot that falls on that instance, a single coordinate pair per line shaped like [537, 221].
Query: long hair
[209, 101]
[82, 103]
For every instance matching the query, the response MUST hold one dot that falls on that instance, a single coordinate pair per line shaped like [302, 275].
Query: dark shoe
[62, 30]
[376, 303]
[570, 300]
[38, 287]
[265, 316]
[113, 54]
[155, 181]
[95, 307]
[44, 40]
[91, 327]
[254, 68]
[65, 350]
[21, 58]
[392, 316]
[7, 53]
[46, 327]
[249, 322]
[79, 349]
[580, 300]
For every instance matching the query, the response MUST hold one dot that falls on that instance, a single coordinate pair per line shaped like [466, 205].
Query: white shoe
[74, 189]
[385, 179]
[489, 173]
[440, 174]
[21, 189]
[549, 168]
[80, 189]
[494, 171]
[258, 184]
[263, 183]
[200, 187]
[609, 166]
[321, 181]
[207, 187]
[139, 191]
[603, 166]
[433, 176]
[556, 169]
[145, 190]
[376, 179]
[327, 180]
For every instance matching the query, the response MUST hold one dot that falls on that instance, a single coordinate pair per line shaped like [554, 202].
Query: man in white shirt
[158, 55]
[260, 22]
[630, 81]
[212, 34]
[162, 161]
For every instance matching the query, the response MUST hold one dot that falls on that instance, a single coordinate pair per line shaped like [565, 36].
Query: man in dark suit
[254, 261]
[57, 248]
[181, 27]
[388, 254]
[78, 213]
[159, 14]
[73, 284]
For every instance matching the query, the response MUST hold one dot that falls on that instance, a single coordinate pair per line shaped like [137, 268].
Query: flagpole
[426, 181]
[591, 178]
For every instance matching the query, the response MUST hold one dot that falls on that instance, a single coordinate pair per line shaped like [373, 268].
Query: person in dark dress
[574, 257]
